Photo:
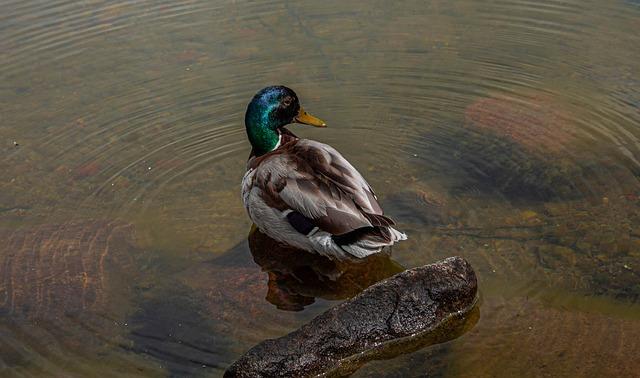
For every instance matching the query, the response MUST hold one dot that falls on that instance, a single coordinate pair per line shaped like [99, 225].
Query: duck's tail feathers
[368, 240]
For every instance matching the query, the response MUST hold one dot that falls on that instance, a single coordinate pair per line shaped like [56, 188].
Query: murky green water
[502, 131]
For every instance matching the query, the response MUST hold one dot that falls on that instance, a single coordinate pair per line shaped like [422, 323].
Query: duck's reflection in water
[297, 277]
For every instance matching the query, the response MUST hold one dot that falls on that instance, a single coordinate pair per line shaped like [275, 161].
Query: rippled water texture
[502, 131]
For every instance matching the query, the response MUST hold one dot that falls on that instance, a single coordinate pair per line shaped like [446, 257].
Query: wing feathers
[316, 182]
[300, 223]
[379, 220]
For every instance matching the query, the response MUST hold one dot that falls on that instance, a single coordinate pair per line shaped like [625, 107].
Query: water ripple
[505, 131]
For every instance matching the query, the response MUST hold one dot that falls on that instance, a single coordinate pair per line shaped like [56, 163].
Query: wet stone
[209, 314]
[415, 302]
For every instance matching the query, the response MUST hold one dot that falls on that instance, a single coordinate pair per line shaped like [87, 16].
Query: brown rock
[420, 301]
[67, 268]
[87, 170]
[526, 338]
[538, 124]
[65, 293]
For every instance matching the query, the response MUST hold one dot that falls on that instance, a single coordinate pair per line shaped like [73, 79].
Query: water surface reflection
[504, 132]
[296, 277]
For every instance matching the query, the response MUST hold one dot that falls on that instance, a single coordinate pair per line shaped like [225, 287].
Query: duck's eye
[287, 101]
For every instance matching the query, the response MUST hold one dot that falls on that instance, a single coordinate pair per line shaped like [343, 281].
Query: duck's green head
[269, 110]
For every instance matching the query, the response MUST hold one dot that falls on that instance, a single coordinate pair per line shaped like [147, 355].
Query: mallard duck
[305, 193]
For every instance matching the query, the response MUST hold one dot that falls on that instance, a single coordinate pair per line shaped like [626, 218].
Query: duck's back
[305, 193]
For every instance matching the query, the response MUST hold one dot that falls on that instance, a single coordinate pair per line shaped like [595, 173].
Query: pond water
[506, 132]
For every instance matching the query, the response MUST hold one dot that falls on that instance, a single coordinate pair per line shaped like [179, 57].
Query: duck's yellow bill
[308, 119]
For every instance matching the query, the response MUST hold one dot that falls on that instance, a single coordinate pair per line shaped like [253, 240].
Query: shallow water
[502, 131]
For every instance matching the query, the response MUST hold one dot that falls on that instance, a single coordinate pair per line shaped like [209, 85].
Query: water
[502, 131]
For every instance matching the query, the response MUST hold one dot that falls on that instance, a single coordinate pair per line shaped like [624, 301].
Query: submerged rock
[66, 269]
[578, 246]
[245, 289]
[539, 124]
[495, 164]
[532, 148]
[427, 303]
[574, 337]
[65, 292]
[518, 149]
[418, 206]
[175, 328]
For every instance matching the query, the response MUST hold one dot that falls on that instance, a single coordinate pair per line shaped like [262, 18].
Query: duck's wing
[318, 187]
